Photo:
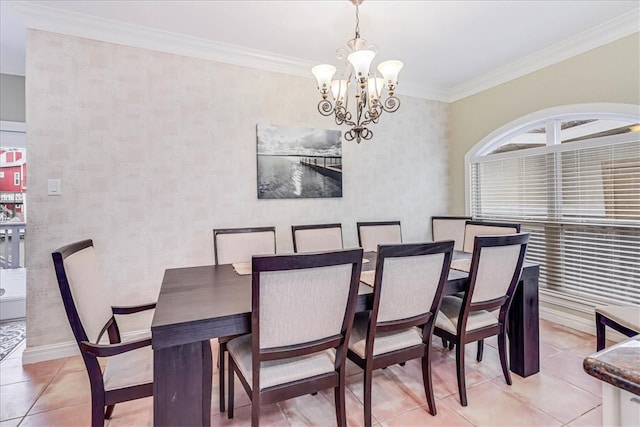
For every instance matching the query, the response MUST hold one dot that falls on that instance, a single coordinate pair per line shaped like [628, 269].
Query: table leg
[524, 327]
[182, 385]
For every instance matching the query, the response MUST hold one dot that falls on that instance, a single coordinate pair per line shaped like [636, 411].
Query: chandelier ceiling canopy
[366, 86]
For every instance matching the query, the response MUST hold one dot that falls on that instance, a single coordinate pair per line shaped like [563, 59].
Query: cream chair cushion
[298, 306]
[240, 247]
[627, 316]
[473, 230]
[450, 311]
[373, 235]
[318, 239]
[495, 271]
[129, 369]
[449, 229]
[276, 372]
[384, 342]
[89, 293]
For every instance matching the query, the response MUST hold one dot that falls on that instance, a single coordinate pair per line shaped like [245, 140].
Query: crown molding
[607, 32]
[80, 25]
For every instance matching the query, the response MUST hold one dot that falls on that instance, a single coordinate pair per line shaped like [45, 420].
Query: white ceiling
[450, 49]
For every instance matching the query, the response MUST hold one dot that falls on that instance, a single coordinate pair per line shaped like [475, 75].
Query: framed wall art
[298, 163]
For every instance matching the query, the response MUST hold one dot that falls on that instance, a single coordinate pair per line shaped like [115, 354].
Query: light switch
[53, 187]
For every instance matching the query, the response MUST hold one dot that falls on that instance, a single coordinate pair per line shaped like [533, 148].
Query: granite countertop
[618, 365]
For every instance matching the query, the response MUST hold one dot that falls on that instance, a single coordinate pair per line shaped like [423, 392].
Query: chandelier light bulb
[361, 61]
[324, 73]
[390, 70]
[374, 88]
[339, 90]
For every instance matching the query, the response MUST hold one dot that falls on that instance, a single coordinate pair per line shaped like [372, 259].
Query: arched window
[571, 177]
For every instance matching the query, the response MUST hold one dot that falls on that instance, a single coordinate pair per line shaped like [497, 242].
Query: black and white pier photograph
[298, 162]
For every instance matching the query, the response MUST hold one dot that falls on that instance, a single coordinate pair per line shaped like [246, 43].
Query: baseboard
[66, 349]
[576, 322]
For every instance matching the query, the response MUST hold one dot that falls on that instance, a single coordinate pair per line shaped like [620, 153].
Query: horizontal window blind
[581, 204]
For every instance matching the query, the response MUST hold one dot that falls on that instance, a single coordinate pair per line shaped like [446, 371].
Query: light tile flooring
[56, 393]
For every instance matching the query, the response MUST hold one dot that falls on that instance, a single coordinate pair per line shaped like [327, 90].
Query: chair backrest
[495, 269]
[409, 282]
[449, 228]
[483, 228]
[85, 297]
[372, 234]
[304, 298]
[232, 245]
[317, 238]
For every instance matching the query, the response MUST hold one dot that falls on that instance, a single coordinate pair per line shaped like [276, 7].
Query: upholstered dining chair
[317, 238]
[407, 290]
[238, 245]
[480, 228]
[302, 313]
[372, 234]
[449, 228]
[128, 373]
[471, 230]
[496, 264]
[622, 318]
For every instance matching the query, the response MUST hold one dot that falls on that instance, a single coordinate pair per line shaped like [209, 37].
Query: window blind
[580, 202]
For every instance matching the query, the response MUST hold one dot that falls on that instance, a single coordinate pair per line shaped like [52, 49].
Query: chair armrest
[106, 350]
[133, 308]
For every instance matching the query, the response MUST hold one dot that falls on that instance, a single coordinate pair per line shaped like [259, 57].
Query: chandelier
[367, 87]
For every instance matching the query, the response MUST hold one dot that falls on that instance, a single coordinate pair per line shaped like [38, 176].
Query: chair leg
[230, 381]
[600, 332]
[368, 380]
[221, 351]
[255, 411]
[427, 382]
[480, 350]
[97, 411]
[109, 411]
[462, 388]
[340, 400]
[502, 349]
[445, 344]
[451, 345]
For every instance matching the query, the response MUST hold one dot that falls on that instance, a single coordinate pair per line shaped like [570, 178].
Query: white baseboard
[66, 349]
[567, 319]
[577, 322]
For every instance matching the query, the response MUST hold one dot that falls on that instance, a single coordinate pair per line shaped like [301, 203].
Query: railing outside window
[12, 244]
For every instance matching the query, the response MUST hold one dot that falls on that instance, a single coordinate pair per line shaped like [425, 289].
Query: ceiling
[450, 49]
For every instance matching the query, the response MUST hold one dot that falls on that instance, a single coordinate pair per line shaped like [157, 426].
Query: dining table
[199, 303]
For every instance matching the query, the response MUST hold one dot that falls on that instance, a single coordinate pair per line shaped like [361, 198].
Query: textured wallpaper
[155, 150]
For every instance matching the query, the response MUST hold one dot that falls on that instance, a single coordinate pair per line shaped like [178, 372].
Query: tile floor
[56, 393]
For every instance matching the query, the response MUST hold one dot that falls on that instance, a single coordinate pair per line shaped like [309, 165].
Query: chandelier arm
[391, 104]
[325, 107]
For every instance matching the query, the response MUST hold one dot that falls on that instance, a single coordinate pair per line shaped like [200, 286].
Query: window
[573, 182]
[16, 178]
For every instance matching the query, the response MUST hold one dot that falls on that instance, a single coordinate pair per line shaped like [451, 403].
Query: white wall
[155, 150]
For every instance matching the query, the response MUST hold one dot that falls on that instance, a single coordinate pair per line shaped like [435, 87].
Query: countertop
[618, 365]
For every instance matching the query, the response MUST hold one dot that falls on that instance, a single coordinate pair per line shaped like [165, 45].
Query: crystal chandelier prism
[372, 94]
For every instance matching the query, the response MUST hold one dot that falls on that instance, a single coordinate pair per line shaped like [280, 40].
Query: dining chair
[238, 245]
[302, 313]
[372, 234]
[317, 238]
[449, 228]
[480, 228]
[496, 264]
[128, 374]
[622, 318]
[407, 290]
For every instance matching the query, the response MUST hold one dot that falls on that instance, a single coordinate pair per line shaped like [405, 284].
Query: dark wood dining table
[199, 303]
